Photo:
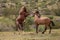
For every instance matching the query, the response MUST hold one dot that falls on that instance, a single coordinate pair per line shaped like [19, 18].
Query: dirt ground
[55, 35]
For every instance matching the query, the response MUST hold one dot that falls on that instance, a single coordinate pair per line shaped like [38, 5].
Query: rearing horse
[42, 21]
[21, 17]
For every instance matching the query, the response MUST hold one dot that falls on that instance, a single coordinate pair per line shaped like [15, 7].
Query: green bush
[51, 17]
[28, 22]
[6, 24]
[57, 24]
[41, 28]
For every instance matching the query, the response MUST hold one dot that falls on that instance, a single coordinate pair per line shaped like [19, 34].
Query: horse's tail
[53, 24]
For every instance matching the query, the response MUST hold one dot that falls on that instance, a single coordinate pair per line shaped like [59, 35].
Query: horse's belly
[20, 20]
[41, 22]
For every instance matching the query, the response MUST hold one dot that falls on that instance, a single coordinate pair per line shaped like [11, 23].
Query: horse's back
[44, 18]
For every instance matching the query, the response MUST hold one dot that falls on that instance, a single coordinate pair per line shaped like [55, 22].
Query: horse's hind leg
[22, 28]
[17, 26]
[44, 29]
[50, 28]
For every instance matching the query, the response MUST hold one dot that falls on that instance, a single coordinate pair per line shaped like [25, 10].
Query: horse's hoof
[42, 32]
[16, 30]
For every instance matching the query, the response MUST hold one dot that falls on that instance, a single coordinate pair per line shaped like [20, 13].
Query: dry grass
[55, 35]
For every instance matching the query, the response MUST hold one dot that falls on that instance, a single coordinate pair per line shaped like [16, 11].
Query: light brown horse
[21, 17]
[42, 21]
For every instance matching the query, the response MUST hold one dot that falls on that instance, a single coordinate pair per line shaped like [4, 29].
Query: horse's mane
[23, 9]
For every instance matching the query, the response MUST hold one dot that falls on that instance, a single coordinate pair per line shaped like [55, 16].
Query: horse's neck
[36, 16]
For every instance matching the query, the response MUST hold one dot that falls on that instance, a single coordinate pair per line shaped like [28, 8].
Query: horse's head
[25, 13]
[24, 9]
[36, 12]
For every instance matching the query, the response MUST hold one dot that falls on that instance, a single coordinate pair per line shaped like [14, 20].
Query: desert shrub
[57, 24]
[51, 17]
[6, 24]
[41, 28]
[28, 23]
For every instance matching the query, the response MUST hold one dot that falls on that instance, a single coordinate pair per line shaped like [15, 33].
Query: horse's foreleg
[36, 28]
[44, 30]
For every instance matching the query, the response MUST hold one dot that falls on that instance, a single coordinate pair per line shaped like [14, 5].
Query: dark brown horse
[21, 17]
[42, 21]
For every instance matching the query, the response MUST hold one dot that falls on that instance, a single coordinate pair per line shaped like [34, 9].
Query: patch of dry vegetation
[55, 35]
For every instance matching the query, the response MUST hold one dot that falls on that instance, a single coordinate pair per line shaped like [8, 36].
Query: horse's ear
[24, 7]
[37, 12]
